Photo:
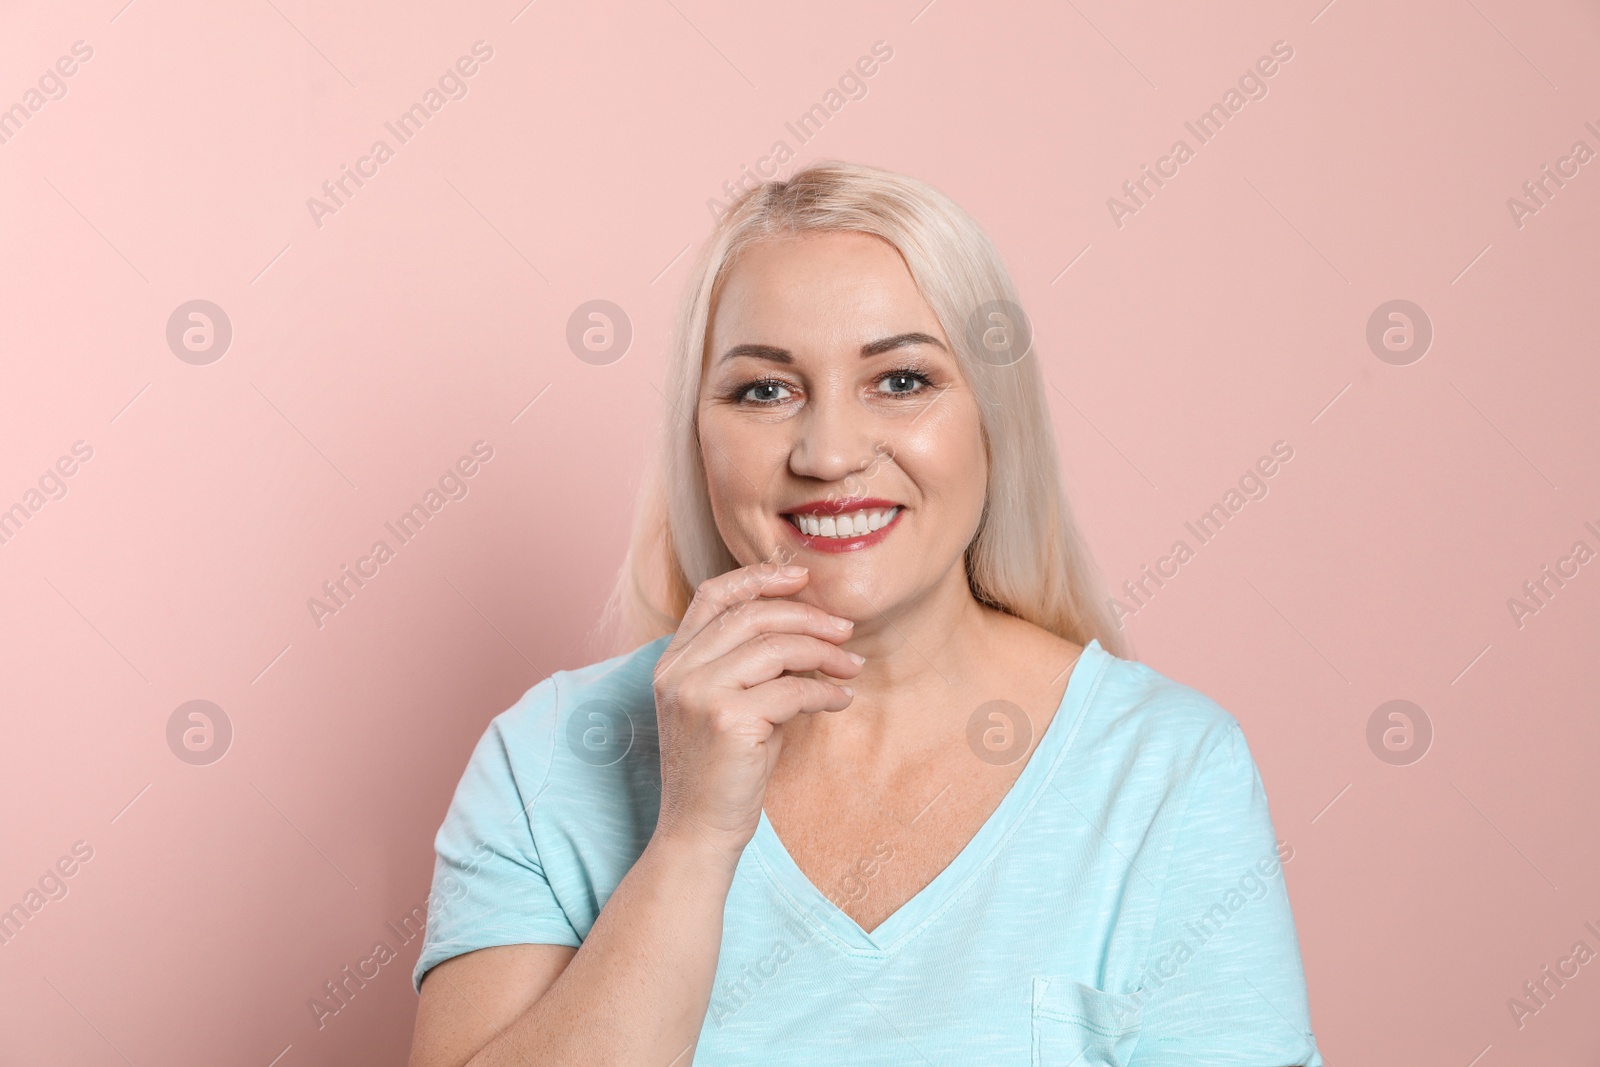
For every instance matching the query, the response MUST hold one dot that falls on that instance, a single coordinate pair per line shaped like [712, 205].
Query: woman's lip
[839, 507]
[845, 544]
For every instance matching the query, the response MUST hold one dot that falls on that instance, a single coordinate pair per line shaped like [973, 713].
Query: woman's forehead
[835, 287]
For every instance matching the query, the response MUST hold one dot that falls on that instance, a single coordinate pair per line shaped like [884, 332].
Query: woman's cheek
[944, 456]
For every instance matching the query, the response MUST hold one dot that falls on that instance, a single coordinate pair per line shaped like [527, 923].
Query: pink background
[370, 352]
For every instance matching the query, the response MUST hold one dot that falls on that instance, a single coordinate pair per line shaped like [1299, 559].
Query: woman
[881, 790]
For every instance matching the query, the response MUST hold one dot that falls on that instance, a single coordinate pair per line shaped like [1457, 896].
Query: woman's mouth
[827, 529]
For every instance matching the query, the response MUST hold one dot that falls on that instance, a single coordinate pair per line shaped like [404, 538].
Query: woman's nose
[833, 440]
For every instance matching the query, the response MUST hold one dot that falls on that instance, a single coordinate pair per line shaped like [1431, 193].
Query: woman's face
[835, 427]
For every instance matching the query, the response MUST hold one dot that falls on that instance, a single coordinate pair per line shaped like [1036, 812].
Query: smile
[823, 526]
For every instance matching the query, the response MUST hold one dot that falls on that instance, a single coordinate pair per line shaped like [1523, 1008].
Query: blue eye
[769, 392]
[764, 392]
[902, 383]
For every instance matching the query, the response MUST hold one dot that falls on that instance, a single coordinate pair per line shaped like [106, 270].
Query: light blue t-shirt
[1124, 906]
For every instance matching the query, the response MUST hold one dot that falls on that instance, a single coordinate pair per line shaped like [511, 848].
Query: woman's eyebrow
[774, 354]
[771, 353]
[900, 340]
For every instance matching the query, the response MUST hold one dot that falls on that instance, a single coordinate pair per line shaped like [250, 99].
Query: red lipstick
[837, 507]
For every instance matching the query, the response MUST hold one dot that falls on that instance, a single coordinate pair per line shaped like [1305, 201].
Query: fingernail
[793, 571]
[843, 624]
[848, 690]
[859, 659]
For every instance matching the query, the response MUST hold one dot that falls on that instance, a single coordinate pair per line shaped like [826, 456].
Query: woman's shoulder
[1158, 716]
[576, 722]
[618, 688]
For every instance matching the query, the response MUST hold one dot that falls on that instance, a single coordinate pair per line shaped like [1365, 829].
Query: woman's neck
[926, 665]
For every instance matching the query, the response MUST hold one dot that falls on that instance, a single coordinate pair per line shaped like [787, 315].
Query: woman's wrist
[690, 853]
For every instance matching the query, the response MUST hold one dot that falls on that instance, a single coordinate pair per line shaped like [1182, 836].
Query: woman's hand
[725, 684]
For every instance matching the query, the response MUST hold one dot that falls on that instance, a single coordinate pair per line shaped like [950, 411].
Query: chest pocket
[1075, 1025]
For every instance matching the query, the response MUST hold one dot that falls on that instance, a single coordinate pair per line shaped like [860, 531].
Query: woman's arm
[636, 992]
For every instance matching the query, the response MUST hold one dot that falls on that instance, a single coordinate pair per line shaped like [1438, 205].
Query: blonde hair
[1027, 558]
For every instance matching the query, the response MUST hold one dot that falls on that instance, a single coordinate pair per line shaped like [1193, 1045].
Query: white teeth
[853, 524]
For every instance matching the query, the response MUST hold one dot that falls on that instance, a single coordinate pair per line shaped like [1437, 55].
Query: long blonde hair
[1027, 558]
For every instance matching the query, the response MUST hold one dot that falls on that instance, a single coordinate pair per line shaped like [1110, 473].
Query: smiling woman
[863, 623]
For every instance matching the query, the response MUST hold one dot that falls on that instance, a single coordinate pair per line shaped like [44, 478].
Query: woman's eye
[772, 391]
[901, 383]
[768, 392]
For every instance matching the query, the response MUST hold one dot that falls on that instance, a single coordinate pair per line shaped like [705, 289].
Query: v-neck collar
[824, 915]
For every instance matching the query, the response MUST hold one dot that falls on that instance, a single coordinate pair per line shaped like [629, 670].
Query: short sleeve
[1224, 982]
[489, 887]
